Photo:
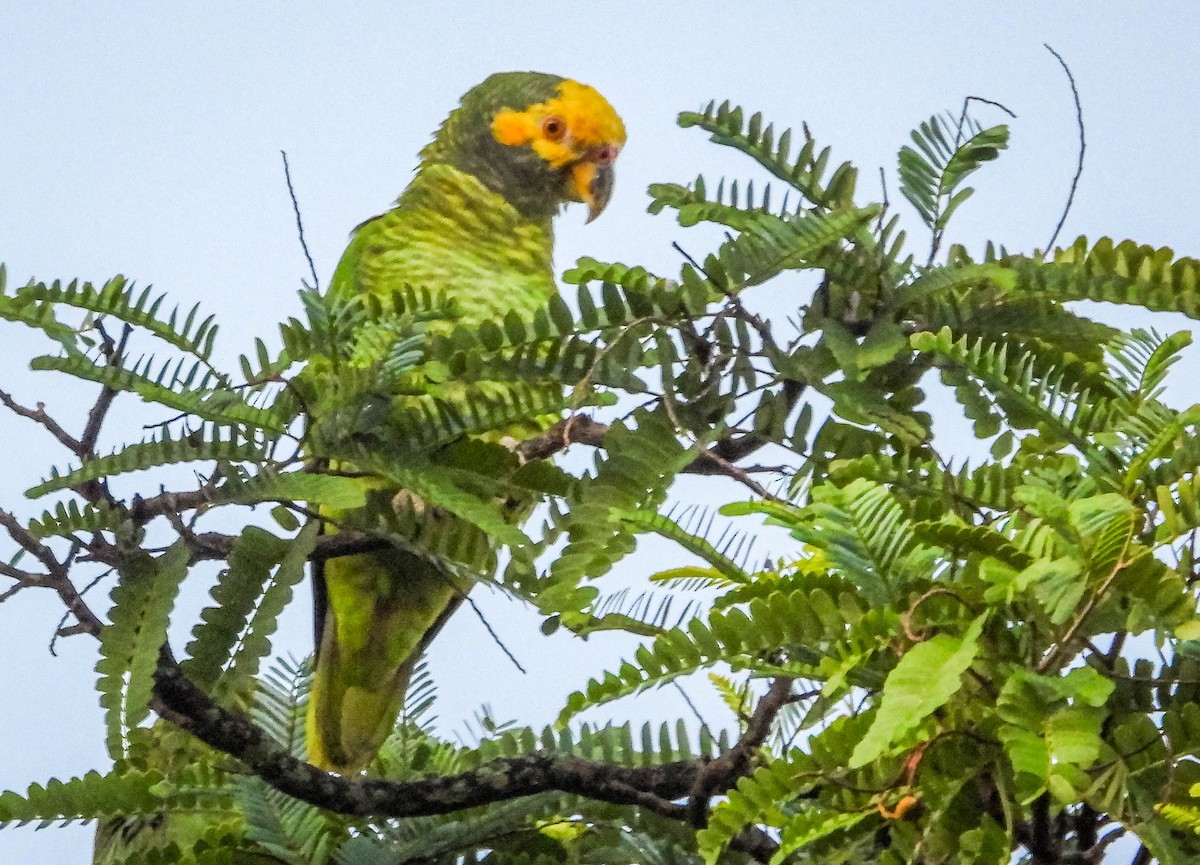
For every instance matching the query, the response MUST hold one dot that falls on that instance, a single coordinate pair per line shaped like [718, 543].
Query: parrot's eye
[554, 128]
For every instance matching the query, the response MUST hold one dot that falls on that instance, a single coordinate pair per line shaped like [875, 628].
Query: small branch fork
[582, 429]
[57, 575]
[722, 773]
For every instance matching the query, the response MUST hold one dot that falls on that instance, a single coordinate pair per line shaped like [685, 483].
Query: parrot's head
[539, 140]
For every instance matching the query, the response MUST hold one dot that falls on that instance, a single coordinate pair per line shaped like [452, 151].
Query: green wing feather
[376, 612]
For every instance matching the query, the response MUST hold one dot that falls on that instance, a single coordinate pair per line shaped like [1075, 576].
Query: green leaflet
[203, 446]
[928, 675]
[454, 836]
[1052, 730]
[218, 405]
[70, 518]
[88, 797]
[1030, 400]
[930, 173]
[333, 491]
[280, 700]
[771, 245]
[634, 472]
[926, 289]
[757, 799]
[255, 643]
[1143, 358]
[437, 487]
[290, 830]
[914, 475]
[693, 207]
[738, 637]
[954, 535]
[1053, 754]
[130, 643]
[1105, 526]
[424, 423]
[668, 528]
[610, 742]
[238, 589]
[25, 309]
[861, 528]
[810, 825]
[805, 171]
[1117, 272]
[188, 333]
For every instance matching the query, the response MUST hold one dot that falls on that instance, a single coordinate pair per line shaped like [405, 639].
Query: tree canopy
[954, 661]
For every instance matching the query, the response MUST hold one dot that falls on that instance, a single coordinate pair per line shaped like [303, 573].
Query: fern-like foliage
[202, 445]
[235, 596]
[1116, 272]
[932, 172]
[129, 646]
[961, 649]
[635, 472]
[89, 797]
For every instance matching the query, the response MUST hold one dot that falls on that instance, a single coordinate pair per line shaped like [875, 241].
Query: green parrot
[475, 223]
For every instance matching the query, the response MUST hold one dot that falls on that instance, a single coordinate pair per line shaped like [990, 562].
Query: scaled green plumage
[474, 223]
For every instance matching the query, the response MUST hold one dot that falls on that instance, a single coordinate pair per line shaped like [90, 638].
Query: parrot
[474, 223]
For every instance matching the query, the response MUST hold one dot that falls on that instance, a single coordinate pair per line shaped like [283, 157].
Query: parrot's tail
[376, 622]
[348, 722]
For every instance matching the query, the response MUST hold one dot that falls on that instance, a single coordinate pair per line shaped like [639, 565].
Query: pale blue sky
[147, 142]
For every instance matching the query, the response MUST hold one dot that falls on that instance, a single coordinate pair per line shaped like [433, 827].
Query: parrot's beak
[593, 178]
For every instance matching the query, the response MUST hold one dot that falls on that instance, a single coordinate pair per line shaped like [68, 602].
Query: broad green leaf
[1052, 756]
[928, 675]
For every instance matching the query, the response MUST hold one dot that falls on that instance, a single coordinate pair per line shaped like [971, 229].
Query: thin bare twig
[740, 475]
[962, 117]
[690, 704]
[56, 576]
[38, 415]
[1082, 146]
[287, 174]
[112, 354]
[24, 580]
[582, 429]
[885, 203]
[495, 637]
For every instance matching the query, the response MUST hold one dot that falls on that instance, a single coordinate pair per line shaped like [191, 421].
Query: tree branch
[57, 576]
[287, 175]
[723, 773]
[716, 460]
[91, 431]
[732, 450]
[185, 705]
[38, 415]
[576, 429]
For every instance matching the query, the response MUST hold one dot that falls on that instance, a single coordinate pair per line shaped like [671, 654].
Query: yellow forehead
[590, 120]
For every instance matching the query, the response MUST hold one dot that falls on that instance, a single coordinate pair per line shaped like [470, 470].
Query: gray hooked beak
[600, 190]
[592, 178]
